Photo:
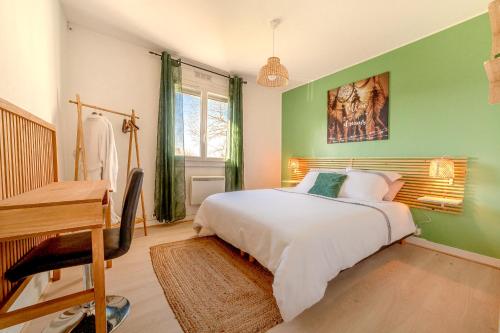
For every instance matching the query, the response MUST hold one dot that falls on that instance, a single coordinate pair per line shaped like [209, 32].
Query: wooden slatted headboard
[415, 173]
[28, 160]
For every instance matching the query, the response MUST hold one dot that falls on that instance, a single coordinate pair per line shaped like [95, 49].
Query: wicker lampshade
[293, 164]
[442, 168]
[273, 74]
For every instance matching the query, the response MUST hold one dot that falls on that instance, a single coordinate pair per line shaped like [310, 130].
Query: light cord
[274, 29]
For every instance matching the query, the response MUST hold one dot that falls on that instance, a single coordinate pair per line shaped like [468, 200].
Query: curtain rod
[191, 65]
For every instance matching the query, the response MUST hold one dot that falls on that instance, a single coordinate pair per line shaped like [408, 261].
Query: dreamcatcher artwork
[359, 111]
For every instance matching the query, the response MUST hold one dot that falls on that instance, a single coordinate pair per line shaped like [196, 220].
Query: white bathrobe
[100, 151]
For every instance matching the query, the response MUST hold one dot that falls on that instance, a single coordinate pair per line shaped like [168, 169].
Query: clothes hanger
[127, 125]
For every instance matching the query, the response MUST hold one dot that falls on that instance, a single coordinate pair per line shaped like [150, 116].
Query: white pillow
[394, 189]
[310, 178]
[307, 182]
[390, 176]
[364, 186]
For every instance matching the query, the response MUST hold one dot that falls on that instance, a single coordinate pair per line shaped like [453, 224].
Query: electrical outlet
[418, 232]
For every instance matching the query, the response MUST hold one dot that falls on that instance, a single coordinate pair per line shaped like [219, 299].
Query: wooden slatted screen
[415, 172]
[28, 160]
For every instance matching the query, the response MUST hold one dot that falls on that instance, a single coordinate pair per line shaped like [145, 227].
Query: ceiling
[316, 37]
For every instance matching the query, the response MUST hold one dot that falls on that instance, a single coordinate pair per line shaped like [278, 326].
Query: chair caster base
[81, 319]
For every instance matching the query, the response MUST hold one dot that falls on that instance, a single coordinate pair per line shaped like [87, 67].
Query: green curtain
[170, 195]
[234, 155]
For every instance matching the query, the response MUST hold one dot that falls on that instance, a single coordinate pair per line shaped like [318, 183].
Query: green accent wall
[438, 106]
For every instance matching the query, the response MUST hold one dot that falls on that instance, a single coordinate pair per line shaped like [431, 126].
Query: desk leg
[99, 280]
[109, 263]
[56, 274]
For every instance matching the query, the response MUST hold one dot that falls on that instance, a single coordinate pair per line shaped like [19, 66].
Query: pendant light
[273, 74]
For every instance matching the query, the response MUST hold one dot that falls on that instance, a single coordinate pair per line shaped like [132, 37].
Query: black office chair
[75, 250]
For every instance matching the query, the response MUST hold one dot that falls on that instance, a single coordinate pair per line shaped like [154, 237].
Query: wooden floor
[401, 289]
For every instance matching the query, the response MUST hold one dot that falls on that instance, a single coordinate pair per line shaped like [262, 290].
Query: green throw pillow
[328, 184]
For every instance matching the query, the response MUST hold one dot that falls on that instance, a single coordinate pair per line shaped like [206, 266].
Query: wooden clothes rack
[132, 128]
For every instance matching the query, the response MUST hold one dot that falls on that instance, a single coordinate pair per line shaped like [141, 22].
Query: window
[191, 101]
[217, 126]
[205, 107]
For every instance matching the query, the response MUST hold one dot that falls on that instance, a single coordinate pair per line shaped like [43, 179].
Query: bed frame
[415, 171]
[28, 160]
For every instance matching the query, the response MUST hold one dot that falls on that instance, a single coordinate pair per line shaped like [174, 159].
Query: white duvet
[304, 240]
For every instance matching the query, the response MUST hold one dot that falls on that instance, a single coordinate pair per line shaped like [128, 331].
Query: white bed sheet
[304, 240]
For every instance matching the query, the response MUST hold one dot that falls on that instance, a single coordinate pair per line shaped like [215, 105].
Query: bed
[305, 240]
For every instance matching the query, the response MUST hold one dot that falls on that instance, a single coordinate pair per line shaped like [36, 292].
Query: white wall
[262, 135]
[31, 36]
[119, 75]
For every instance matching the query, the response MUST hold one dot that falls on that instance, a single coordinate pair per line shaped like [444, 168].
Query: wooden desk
[56, 208]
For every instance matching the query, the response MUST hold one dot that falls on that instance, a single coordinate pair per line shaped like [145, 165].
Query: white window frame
[219, 90]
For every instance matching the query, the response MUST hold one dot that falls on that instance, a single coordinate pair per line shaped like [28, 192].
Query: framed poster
[359, 111]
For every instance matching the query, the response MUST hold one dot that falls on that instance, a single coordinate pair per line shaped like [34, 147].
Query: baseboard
[453, 251]
[152, 222]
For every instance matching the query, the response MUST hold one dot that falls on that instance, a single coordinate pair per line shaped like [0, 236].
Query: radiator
[203, 186]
